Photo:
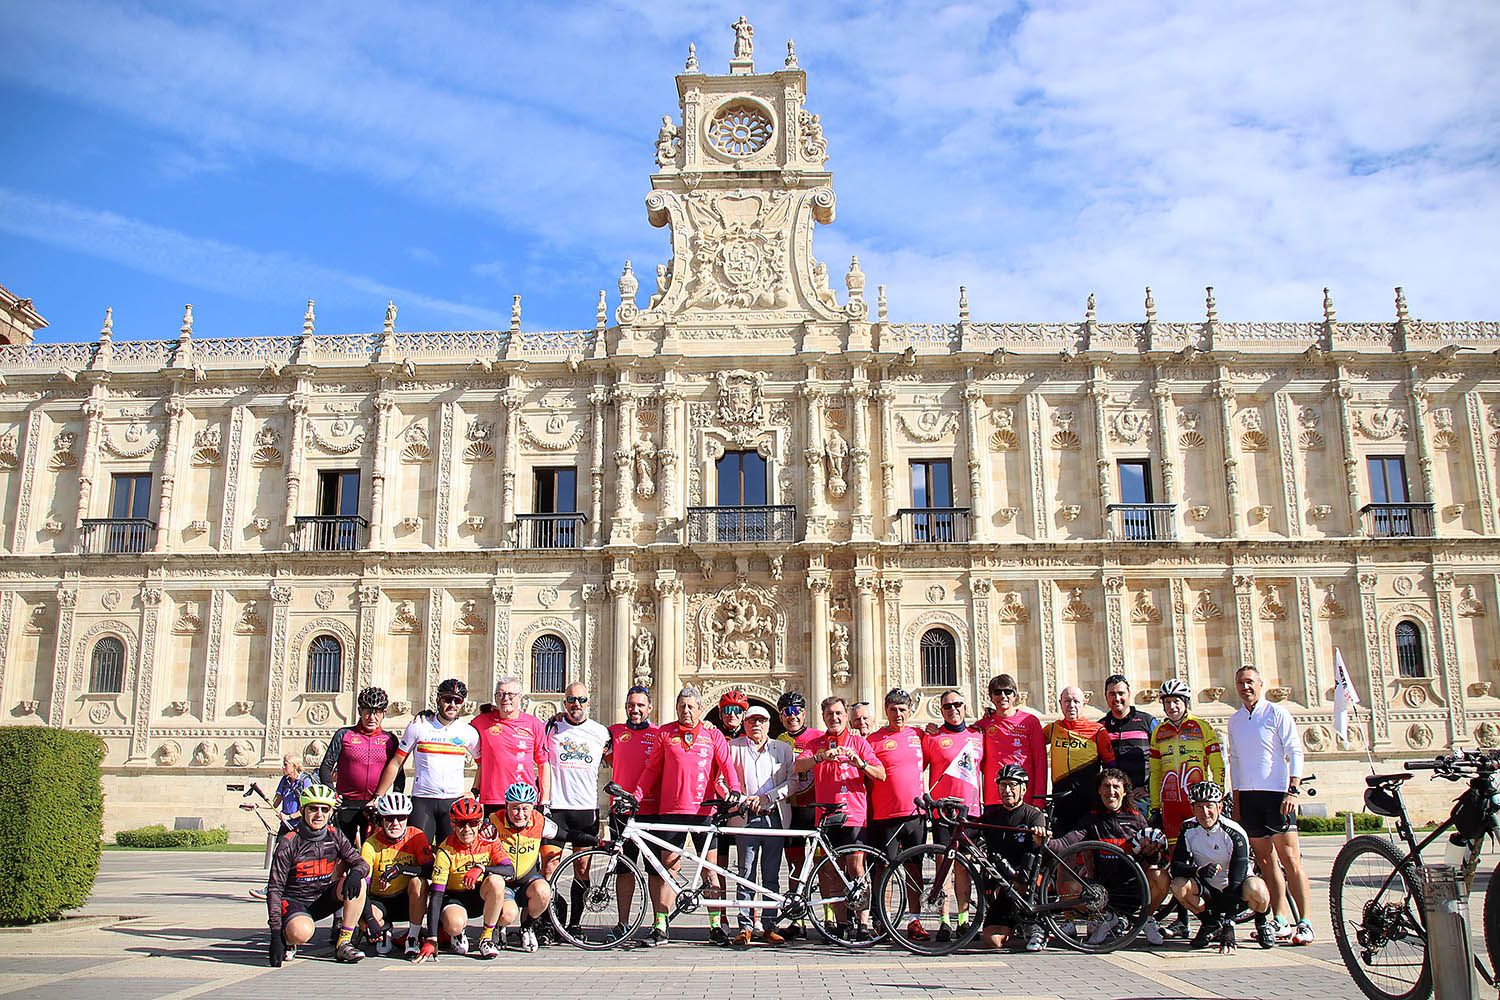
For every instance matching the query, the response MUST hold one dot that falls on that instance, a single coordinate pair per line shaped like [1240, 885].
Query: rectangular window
[556, 491]
[338, 492]
[1387, 478]
[1135, 480]
[131, 495]
[742, 479]
[932, 483]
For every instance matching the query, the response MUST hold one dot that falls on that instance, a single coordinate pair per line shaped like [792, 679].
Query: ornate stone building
[748, 479]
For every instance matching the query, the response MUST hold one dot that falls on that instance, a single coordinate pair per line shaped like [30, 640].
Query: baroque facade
[750, 480]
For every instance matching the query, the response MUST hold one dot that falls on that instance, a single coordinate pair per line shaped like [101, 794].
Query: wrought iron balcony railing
[1398, 520]
[1143, 522]
[742, 524]
[921, 525]
[551, 531]
[338, 533]
[106, 535]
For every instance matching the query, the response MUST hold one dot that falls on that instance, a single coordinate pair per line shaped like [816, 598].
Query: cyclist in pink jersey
[840, 762]
[1012, 735]
[690, 763]
[512, 747]
[630, 743]
[895, 823]
[954, 769]
[798, 735]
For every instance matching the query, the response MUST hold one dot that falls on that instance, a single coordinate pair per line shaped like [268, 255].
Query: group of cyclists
[446, 850]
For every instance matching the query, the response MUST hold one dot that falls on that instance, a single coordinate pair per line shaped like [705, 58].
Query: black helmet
[453, 686]
[791, 699]
[1012, 772]
[373, 698]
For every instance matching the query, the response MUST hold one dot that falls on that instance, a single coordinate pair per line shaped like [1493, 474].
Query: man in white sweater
[765, 769]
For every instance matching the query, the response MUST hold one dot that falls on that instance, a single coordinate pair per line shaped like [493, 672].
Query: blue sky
[248, 156]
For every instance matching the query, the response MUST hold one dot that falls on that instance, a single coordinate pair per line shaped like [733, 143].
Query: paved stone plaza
[199, 934]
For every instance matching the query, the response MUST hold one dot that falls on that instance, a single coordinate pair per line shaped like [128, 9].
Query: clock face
[739, 129]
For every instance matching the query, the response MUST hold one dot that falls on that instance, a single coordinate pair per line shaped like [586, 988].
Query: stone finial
[791, 54]
[692, 60]
[880, 309]
[390, 317]
[1209, 305]
[963, 304]
[186, 332]
[599, 313]
[628, 285]
[1329, 316]
[1150, 306]
[1090, 315]
[515, 313]
[1402, 316]
[108, 329]
[309, 320]
[855, 280]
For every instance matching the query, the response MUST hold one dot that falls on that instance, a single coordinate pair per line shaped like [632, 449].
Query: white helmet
[393, 804]
[1175, 687]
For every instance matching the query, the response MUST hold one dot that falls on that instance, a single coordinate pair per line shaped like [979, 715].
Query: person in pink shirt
[1012, 735]
[954, 768]
[895, 822]
[630, 743]
[512, 747]
[691, 763]
[840, 761]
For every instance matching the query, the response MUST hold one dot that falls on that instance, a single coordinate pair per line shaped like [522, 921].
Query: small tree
[53, 804]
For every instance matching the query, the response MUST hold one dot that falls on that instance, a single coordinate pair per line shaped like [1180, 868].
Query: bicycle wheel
[1375, 903]
[585, 908]
[839, 904]
[1096, 897]
[1492, 921]
[916, 892]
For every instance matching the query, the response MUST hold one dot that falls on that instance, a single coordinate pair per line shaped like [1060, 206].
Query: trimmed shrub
[53, 806]
[159, 836]
[1363, 823]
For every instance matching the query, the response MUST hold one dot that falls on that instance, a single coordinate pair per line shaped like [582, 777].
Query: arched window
[1409, 660]
[107, 666]
[939, 658]
[549, 663]
[325, 665]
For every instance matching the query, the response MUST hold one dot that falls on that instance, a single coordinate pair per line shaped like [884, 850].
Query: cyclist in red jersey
[954, 768]
[732, 708]
[630, 743]
[792, 708]
[895, 823]
[1012, 735]
[691, 763]
[356, 758]
[512, 747]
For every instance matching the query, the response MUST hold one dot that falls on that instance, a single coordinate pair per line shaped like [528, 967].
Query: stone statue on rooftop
[744, 34]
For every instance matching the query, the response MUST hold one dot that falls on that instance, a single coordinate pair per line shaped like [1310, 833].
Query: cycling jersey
[1015, 739]
[1264, 751]
[626, 755]
[1078, 749]
[452, 860]
[574, 753]
[1224, 844]
[380, 853]
[304, 866]
[1015, 845]
[357, 759]
[437, 753]
[510, 750]
[1131, 739]
[686, 765]
[900, 752]
[1182, 754]
[954, 766]
[525, 844]
[839, 781]
[800, 742]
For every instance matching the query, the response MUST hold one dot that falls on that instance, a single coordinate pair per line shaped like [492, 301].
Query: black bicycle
[1091, 896]
[1376, 896]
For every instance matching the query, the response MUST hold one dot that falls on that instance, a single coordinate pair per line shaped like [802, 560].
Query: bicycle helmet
[1205, 791]
[393, 804]
[466, 809]
[734, 698]
[453, 686]
[1175, 687]
[792, 699]
[316, 795]
[374, 699]
[520, 791]
[1012, 772]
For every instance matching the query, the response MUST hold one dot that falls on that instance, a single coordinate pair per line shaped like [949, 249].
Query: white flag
[1344, 696]
[965, 766]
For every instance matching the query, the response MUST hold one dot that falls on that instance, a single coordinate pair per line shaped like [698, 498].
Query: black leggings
[431, 817]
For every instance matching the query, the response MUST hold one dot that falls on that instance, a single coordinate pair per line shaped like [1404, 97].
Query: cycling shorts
[325, 905]
[579, 827]
[679, 838]
[392, 909]
[1262, 815]
[845, 836]
[431, 817]
[897, 834]
[350, 820]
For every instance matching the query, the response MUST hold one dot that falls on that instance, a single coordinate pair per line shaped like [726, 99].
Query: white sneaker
[291, 952]
[528, 939]
[1303, 934]
[1152, 933]
[1100, 930]
[460, 944]
[1284, 929]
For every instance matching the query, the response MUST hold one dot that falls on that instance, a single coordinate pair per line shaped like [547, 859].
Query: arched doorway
[712, 716]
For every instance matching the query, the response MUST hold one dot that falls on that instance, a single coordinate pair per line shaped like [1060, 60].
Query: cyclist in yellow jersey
[400, 859]
[469, 872]
[1184, 751]
[1078, 749]
[521, 830]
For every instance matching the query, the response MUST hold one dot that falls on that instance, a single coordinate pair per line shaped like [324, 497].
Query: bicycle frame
[976, 853]
[1473, 850]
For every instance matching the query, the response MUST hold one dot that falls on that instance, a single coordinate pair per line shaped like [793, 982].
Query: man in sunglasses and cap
[797, 734]
[439, 745]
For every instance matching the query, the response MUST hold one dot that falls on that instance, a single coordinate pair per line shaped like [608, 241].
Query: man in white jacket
[765, 770]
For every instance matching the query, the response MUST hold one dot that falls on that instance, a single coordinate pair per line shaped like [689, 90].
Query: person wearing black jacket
[1013, 832]
[1211, 872]
[315, 871]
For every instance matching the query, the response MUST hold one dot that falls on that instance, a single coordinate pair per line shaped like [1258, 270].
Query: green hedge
[1363, 823]
[160, 836]
[53, 806]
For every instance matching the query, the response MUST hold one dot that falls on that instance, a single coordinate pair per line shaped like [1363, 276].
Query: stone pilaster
[234, 459]
[1416, 392]
[1445, 644]
[1483, 481]
[1047, 618]
[1308, 644]
[1292, 487]
[1342, 391]
[819, 684]
[67, 602]
[296, 453]
[979, 610]
[1182, 655]
[502, 594]
[867, 637]
[145, 670]
[1375, 674]
[597, 398]
[817, 504]
[621, 528]
[176, 409]
[1166, 450]
[1224, 391]
[436, 617]
[446, 443]
[1114, 615]
[859, 459]
[215, 669]
[669, 636]
[385, 403]
[7, 615]
[1098, 392]
[368, 595]
[281, 607]
[886, 396]
[510, 455]
[1244, 617]
[1036, 464]
[979, 498]
[31, 468]
[670, 456]
[88, 460]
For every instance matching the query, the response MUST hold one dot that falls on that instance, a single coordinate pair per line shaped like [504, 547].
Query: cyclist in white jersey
[440, 746]
[576, 746]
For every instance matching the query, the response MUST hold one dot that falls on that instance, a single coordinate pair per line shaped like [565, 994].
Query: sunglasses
[507, 695]
[732, 710]
[952, 704]
[467, 823]
[1005, 693]
[576, 699]
[794, 710]
[317, 809]
[450, 700]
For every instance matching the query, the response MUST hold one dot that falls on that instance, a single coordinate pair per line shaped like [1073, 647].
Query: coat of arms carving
[739, 249]
[742, 408]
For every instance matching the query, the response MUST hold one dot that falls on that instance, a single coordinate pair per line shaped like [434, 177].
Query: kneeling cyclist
[400, 859]
[469, 872]
[522, 831]
[1211, 872]
[315, 872]
[1024, 829]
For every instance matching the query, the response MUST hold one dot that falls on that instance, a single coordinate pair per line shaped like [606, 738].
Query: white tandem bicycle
[588, 886]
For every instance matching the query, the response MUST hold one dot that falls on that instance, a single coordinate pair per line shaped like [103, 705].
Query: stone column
[979, 591]
[1182, 657]
[31, 468]
[281, 600]
[622, 589]
[1098, 392]
[979, 501]
[820, 681]
[668, 641]
[145, 671]
[1036, 463]
[621, 527]
[1380, 707]
[1244, 611]
[1224, 391]
[1484, 484]
[216, 628]
[1417, 394]
[1047, 616]
[1445, 644]
[1306, 617]
[597, 398]
[385, 402]
[67, 601]
[234, 458]
[859, 458]
[1166, 446]
[672, 449]
[886, 395]
[510, 456]
[1342, 391]
[1114, 616]
[502, 594]
[817, 505]
[88, 459]
[867, 635]
[297, 403]
[368, 595]
[175, 408]
[1291, 481]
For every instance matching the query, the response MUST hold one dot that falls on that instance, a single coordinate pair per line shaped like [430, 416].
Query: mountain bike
[1376, 892]
[1091, 896]
[824, 893]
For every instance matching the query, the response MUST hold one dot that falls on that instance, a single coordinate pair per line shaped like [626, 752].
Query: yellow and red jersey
[1182, 754]
[381, 853]
[524, 844]
[452, 860]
